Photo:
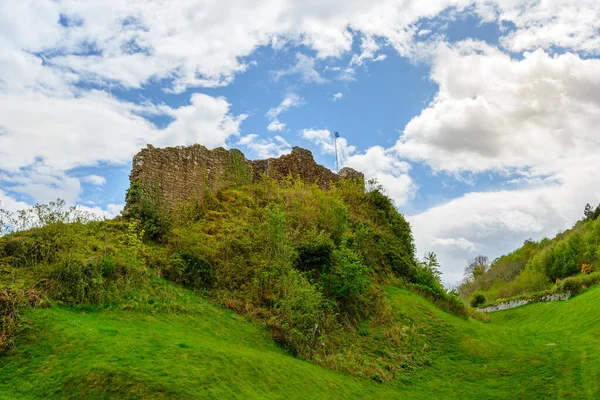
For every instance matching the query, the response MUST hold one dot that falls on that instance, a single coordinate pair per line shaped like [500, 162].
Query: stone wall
[507, 305]
[178, 174]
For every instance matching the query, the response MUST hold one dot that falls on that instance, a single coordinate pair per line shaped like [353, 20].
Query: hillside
[309, 261]
[203, 351]
[542, 265]
[265, 286]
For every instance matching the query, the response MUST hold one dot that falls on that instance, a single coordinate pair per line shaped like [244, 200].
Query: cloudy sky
[481, 118]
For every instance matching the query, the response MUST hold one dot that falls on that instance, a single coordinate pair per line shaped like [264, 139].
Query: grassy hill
[265, 291]
[203, 351]
[541, 265]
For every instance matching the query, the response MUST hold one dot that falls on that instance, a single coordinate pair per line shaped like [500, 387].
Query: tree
[588, 212]
[433, 264]
[476, 266]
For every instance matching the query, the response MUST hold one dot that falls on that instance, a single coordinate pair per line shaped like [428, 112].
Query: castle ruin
[179, 174]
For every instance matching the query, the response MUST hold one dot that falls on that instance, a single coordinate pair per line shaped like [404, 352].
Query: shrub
[587, 269]
[79, 282]
[29, 251]
[155, 223]
[144, 205]
[477, 299]
[94, 281]
[190, 270]
[10, 303]
[302, 322]
[348, 280]
[575, 284]
[315, 256]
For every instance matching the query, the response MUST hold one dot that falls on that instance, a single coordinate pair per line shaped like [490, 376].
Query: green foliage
[477, 299]
[299, 322]
[143, 204]
[348, 280]
[427, 273]
[240, 172]
[28, 251]
[11, 303]
[304, 261]
[537, 265]
[93, 281]
[591, 214]
[576, 284]
[276, 234]
[314, 256]
[190, 270]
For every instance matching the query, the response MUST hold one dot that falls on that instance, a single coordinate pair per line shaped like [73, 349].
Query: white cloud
[388, 169]
[206, 120]
[276, 126]
[493, 112]
[8, 203]
[94, 180]
[205, 43]
[369, 47]
[551, 23]
[337, 96]
[496, 222]
[96, 127]
[304, 67]
[114, 209]
[376, 162]
[266, 148]
[291, 100]
[534, 120]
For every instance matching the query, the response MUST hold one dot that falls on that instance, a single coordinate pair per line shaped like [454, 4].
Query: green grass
[211, 353]
[545, 350]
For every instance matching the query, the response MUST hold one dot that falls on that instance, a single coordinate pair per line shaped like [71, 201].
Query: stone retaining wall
[507, 305]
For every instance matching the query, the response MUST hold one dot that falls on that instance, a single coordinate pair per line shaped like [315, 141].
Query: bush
[190, 270]
[79, 282]
[93, 281]
[587, 269]
[348, 280]
[11, 301]
[477, 299]
[316, 256]
[29, 251]
[575, 284]
[302, 321]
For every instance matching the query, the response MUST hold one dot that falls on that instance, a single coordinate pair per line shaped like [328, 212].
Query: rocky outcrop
[178, 174]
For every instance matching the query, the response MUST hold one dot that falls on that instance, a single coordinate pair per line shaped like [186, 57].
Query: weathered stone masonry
[178, 174]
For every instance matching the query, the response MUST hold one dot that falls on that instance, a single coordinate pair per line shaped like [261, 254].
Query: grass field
[547, 350]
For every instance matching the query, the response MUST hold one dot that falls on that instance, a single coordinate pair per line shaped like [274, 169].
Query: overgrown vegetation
[538, 265]
[307, 263]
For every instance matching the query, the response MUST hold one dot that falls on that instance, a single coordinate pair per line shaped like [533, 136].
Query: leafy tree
[433, 264]
[588, 212]
[476, 267]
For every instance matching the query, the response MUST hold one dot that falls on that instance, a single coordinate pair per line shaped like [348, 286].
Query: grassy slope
[537, 351]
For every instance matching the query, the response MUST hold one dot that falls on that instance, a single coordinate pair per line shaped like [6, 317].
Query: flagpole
[337, 166]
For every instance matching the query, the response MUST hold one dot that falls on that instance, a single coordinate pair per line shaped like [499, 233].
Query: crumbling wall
[179, 174]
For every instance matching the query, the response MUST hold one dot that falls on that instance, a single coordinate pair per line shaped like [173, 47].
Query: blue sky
[479, 117]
